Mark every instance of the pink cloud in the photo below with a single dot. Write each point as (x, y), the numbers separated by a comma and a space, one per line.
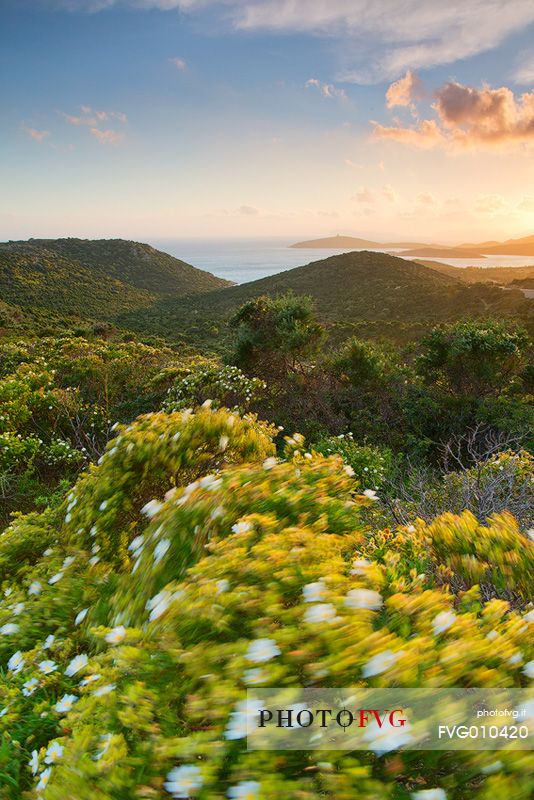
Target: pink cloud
(425, 134)
(34, 134)
(327, 90)
(466, 118)
(107, 137)
(404, 91)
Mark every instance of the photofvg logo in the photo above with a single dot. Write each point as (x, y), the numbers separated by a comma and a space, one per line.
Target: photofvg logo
(383, 720)
(301, 716)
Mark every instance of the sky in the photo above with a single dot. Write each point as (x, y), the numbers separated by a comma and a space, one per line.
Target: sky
(244, 118)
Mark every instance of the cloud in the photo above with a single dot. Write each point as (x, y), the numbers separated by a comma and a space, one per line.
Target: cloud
(404, 91)
(424, 135)
(248, 211)
(389, 193)
(107, 136)
(524, 74)
(469, 118)
(34, 134)
(92, 118)
(526, 204)
(364, 195)
(327, 90)
(380, 39)
(179, 63)
(353, 164)
(426, 199)
(490, 203)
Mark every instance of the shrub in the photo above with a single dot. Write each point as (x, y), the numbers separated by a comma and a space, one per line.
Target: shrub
(154, 650)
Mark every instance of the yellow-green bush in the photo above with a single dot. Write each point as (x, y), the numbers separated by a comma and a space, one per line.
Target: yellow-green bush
(191, 564)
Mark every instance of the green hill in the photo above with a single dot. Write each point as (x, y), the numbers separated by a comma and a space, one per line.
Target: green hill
(94, 279)
(376, 291)
(502, 276)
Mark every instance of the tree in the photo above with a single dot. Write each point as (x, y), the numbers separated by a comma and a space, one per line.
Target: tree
(474, 358)
(275, 336)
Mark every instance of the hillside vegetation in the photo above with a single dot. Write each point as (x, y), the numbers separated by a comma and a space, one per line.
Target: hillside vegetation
(366, 289)
(93, 279)
(174, 545)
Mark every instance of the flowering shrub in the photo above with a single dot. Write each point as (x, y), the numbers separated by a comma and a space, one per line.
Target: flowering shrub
(224, 386)
(191, 564)
(370, 464)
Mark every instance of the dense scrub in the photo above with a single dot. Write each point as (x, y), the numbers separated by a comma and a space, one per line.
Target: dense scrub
(190, 564)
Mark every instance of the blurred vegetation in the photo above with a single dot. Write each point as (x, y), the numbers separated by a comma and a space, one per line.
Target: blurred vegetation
(356, 504)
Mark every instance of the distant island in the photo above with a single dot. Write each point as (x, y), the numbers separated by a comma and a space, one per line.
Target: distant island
(333, 242)
(511, 247)
(441, 252)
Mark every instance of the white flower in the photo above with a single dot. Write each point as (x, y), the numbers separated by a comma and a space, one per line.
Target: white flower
(380, 663)
(320, 612)
(136, 543)
(363, 598)
(210, 482)
(530, 534)
(160, 549)
(517, 658)
(244, 790)
(9, 628)
(261, 650)
(49, 641)
(370, 494)
(270, 462)
(48, 551)
(430, 794)
(65, 704)
(495, 766)
(528, 669)
(241, 527)
(222, 586)
(43, 779)
(80, 616)
(4, 711)
(94, 560)
(529, 617)
(103, 505)
(243, 719)
(223, 443)
(348, 469)
(183, 781)
(102, 690)
(55, 578)
(29, 687)
(8, 591)
(159, 604)
(492, 635)
(77, 663)
(68, 561)
(443, 621)
(16, 662)
(383, 740)
(106, 738)
(152, 508)
(116, 635)
(89, 679)
(54, 751)
(34, 762)
(35, 587)
(47, 666)
(314, 592)
(359, 566)
(17, 609)
(253, 677)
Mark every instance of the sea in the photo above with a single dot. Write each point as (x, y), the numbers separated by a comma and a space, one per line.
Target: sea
(244, 260)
